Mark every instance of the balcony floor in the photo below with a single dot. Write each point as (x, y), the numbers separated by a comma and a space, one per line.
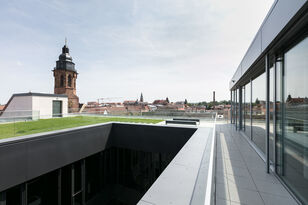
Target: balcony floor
(240, 173)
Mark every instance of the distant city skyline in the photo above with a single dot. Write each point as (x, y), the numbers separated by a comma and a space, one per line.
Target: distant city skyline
(166, 48)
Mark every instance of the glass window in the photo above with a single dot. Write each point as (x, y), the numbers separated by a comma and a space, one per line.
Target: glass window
(77, 183)
(62, 81)
(243, 106)
(237, 92)
(93, 176)
(294, 145)
(271, 112)
(231, 110)
(233, 107)
(66, 184)
(39, 193)
(69, 81)
(247, 110)
(278, 125)
(259, 111)
(13, 196)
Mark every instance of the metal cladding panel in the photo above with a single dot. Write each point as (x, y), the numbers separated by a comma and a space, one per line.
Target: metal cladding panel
(150, 138)
(65, 148)
(280, 15)
(252, 54)
(236, 76)
(13, 164)
(27, 159)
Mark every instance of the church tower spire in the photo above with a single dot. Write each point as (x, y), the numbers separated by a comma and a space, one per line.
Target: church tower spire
(141, 98)
(65, 76)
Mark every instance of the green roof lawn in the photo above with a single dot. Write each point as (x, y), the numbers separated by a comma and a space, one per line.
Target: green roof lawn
(30, 127)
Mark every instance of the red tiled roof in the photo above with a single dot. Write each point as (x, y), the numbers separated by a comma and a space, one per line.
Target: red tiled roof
(160, 102)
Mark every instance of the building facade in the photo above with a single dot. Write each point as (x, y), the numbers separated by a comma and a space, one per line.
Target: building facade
(269, 94)
(35, 106)
(65, 76)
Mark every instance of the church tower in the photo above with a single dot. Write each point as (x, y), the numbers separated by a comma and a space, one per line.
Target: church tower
(141, 98)
(65, 78)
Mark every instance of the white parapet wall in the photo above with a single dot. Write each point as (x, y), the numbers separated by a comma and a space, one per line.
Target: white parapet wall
(44, 105)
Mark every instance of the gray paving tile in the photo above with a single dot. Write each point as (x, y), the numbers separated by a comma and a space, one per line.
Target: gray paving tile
(271, 188)
(220, 174)
(243, 172)
(270, 199)
(235, 163)
(268, 178)
(222, 191)
(236, 203)
(221, 179)
(220, 166)
(222, 202)
(241, 182)
(244, 196)
(263, 176)
(237, 171)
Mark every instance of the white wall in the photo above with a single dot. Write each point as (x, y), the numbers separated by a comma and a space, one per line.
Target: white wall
(44, 105)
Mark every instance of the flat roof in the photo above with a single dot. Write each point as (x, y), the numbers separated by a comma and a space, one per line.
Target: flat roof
(39, 94)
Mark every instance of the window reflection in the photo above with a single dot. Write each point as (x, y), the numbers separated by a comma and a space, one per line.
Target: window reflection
(294, 146)
(247, 110)
(259, 111)
(271, 114)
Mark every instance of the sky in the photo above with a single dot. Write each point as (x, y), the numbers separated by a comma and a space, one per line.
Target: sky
(180, 49)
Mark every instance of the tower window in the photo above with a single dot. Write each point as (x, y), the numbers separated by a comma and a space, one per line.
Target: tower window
(69, 81)
(62, 81)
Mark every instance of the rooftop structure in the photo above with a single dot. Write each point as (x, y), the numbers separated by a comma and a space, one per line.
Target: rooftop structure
(268, 92)
(35, 105)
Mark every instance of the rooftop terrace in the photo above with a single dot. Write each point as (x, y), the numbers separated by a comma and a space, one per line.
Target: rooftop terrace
(210, 163)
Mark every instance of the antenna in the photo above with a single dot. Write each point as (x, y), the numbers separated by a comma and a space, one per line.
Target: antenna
(65, 41)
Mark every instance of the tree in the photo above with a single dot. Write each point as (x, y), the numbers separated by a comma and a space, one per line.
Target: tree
(167, 99)
(185, 102)
(289, 98)
(257, 101)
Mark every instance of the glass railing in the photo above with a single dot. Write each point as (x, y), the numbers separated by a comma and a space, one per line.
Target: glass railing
(25, 122)
(19, 123)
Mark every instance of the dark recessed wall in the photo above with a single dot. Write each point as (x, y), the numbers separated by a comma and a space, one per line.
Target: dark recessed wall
(24, 160)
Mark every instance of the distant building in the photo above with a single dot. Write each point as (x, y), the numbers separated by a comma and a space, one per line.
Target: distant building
(35, 105)
(160, 102)
(2, 107)
(296, 101)
(130, 102)
(152, 107)
(180, 103)
(92, 104)
(65, 78)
